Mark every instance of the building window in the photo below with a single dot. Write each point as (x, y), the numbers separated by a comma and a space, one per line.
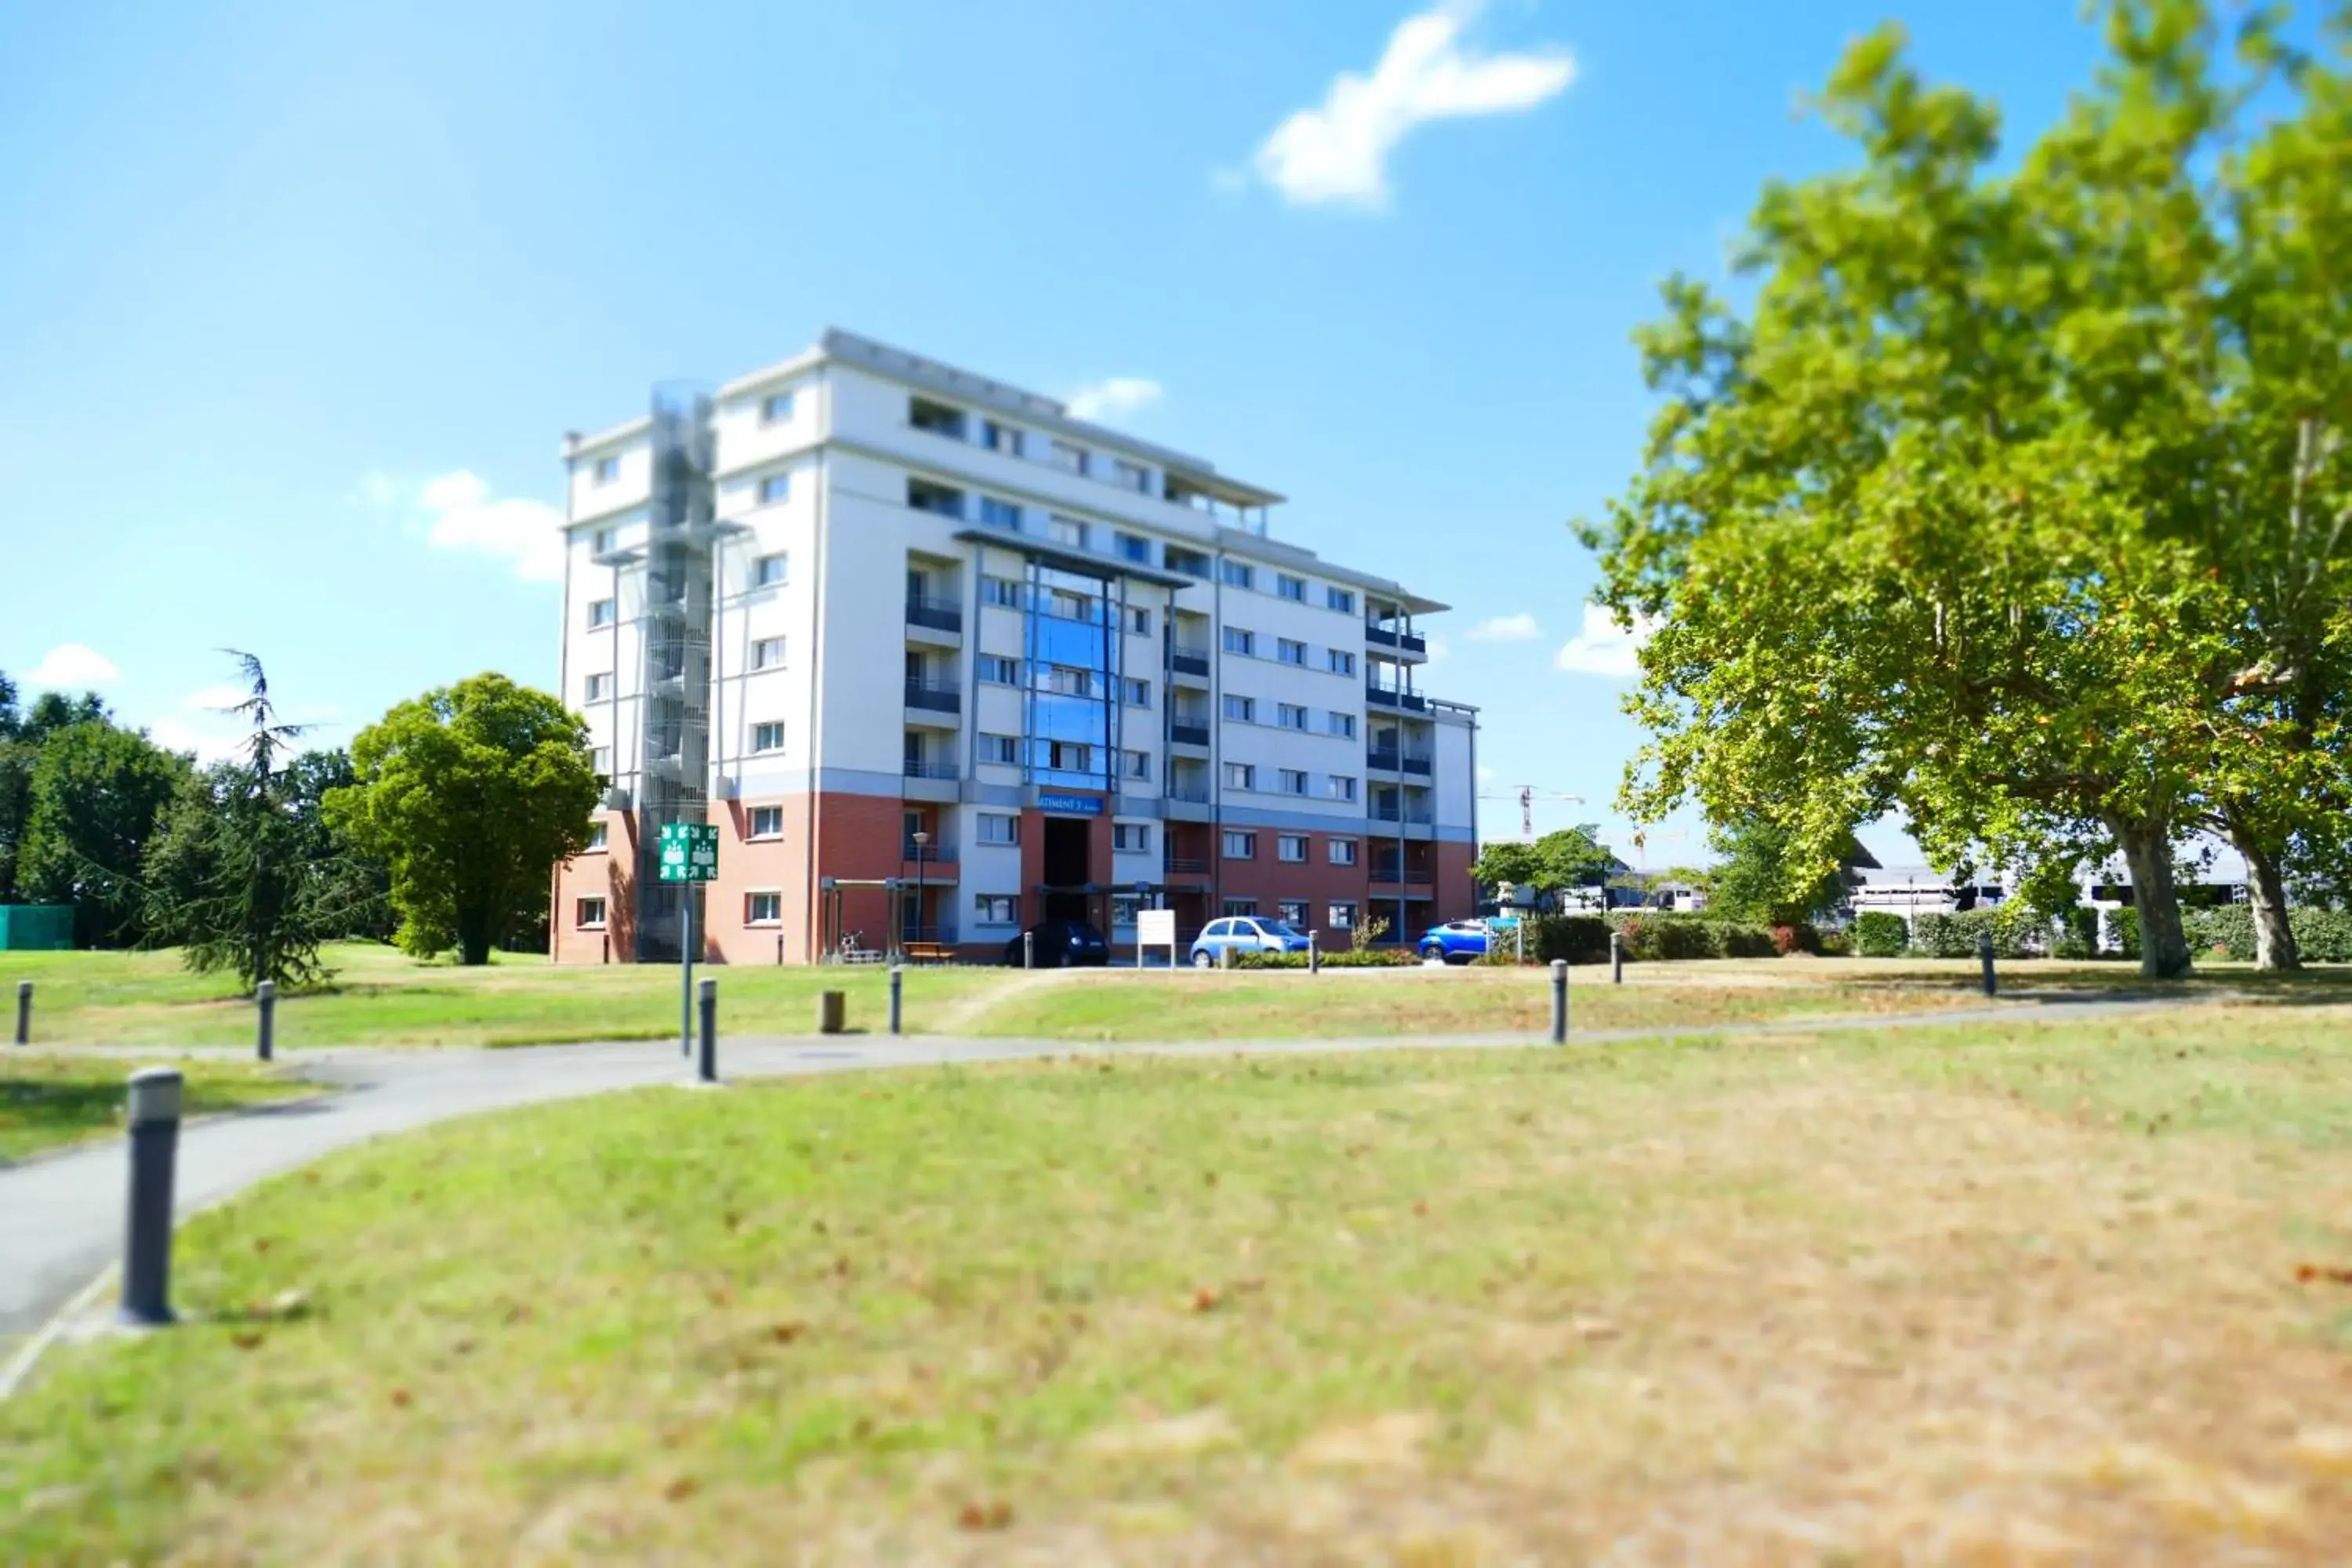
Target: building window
(600, 687)
(767, 822)
(1138, 764)
(993, 909)
(1132, 477)
(1131, 836)
(1291, 716)
(768, 737)
(1237, 574)
(775, 406)
(940, 418)
(588, 914)
(1343, 917)
(1240, 845)
(1291, 652)
(1241, 710)
(1292, 912)
(1244, 907)
(1241, 775)
(1294, 781)
(999, 670)
(1066, 604)
(1343, 601)
(600, 612)
(775, 488)
(944, 501)
(1138, 693)
(764, 908)
(1004, 749)
(999, 829)
(1342, 662)
(1291, 588)
(768, 571)
(601, 541)
(607, 470)
(1241, 642)
(1004, 438)
(1291, 847)
(599, 758)
(1069, 458)
(767, 652)
(596, 836)
(1067, 681)
(1139, 620)
(1001, 515)
(1342, 787)
(1343, 725)
(1123, 908)
(1068, 530)
(1343, 851)
(1191, 563)
(1003, 592)
(1136, 548)
(1069, 757)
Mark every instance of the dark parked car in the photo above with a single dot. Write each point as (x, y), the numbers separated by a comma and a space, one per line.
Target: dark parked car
(1061, 944)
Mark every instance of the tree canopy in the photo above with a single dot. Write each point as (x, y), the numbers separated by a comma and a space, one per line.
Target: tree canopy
(1570, 857)
(470, 795)
(95, 793)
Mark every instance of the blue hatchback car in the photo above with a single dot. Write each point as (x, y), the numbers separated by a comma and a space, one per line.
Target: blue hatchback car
(1245, 933)
(1456, 941)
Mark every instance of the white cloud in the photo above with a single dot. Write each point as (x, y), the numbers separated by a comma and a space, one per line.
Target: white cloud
(72, 666)
(457, 512)
(1435, 650)
(210, 699)
(1603, 648)
(1338, 152)
(1507, 629)
(215, 743)
(1113, 398)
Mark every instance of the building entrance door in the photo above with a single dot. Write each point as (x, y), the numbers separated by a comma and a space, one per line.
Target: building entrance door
(1068, 865)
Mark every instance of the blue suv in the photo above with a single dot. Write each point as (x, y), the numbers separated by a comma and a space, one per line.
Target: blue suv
(1245, 933)
(1456, 941)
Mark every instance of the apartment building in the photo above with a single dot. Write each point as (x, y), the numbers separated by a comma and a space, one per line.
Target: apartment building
(941, 661)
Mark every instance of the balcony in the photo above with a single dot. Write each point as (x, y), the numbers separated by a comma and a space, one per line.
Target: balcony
(938, 615)
(930, 780)
(1384, 697)
(1386, 636)
(1388, 759)
(1408, 816)
(934, 697)
(1386, 874)
(1187, 865)
(1185, 733)
(918, 769)
(1189, 661)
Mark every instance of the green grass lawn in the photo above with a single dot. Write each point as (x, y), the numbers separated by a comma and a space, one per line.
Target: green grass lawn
(47, 1101)
(2032, 1291)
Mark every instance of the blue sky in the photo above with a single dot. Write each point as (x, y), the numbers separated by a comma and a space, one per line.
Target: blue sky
(296, 301)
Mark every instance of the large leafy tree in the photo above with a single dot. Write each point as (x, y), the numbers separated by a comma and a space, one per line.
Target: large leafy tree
(1570, 857)
(470, 795)
(96, 793)
(1752, 879)
(1939, 521)
(21, 735)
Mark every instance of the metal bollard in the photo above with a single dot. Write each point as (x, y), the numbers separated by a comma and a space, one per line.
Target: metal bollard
(1225, 955)
(1314, 954)
(1616, 958)
(1560, 1001)
(707, 993)
(265, 997)
(1028, 950)
(24, 1012)
(154, 1119)
(897, 979)
(832, 1012)
(1984, 953)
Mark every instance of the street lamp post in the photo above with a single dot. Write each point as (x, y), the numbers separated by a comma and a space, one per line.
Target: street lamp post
(922, 840)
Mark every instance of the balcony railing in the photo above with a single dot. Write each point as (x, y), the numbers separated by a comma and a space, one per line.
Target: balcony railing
(1191, 793)
(1189, 660)
(1384, 697)
(1187, 865)
(1411, 816)
(1387, 760)
(939, 615)
(1188, 734)
(1388, 636)
(935, 696)
(1385, 871)
(933, 854)
(922, 770)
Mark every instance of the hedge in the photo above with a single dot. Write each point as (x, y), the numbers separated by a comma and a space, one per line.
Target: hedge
(1878, 934)
(2016, 932)
(1652, 935)
(1346, 958)
(2321, 936)
(2078, 933)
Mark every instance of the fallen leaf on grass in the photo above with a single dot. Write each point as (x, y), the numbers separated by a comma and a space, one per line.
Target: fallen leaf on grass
(1388, 1442)
(245, 1341)
(989, 1516)
(2307, 1272)
(785, 1333)
(1596, 1329)
(517, 1314)
(681, 1489)
(400, 1398)
(1204, 1300)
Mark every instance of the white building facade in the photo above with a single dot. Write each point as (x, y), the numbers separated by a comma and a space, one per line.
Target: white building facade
(941, 661)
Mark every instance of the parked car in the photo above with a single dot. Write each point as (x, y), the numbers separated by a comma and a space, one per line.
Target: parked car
(1456, 941)
(1245, 933)
(1059, 944)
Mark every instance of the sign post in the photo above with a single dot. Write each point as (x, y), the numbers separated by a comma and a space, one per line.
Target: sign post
(1153, 927)
(689, 854)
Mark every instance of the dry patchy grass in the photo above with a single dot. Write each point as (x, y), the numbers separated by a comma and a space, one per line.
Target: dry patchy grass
(47, 1101)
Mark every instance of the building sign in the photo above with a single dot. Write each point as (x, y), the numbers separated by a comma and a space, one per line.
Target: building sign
(1154, 927)
(689, 852)
(1069, 804)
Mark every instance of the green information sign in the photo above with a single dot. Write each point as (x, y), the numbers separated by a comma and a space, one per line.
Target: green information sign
(689, 852)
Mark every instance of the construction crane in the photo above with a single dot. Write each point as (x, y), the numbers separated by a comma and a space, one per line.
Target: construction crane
(1527, 796)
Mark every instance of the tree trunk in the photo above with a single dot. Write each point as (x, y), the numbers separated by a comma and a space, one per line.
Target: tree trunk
(2274, 946)
(2163, 946)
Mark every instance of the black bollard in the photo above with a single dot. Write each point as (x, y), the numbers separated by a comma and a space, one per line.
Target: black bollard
(1028, 950)
(708, 995)
(895, 978)
(1560, 1001)
(265, 997)
(1314, 954)
(1984, 953)
(24, 1012)
(154, 1119)
(1616, 958)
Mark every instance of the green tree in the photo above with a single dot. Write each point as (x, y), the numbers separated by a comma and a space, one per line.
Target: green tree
(357, 885)
(471, 794)
(1570, 857)
(96, 793)
(21, 735)
(1752, 881)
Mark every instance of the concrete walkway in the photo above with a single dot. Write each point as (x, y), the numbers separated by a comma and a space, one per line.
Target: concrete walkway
(61, 1217)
